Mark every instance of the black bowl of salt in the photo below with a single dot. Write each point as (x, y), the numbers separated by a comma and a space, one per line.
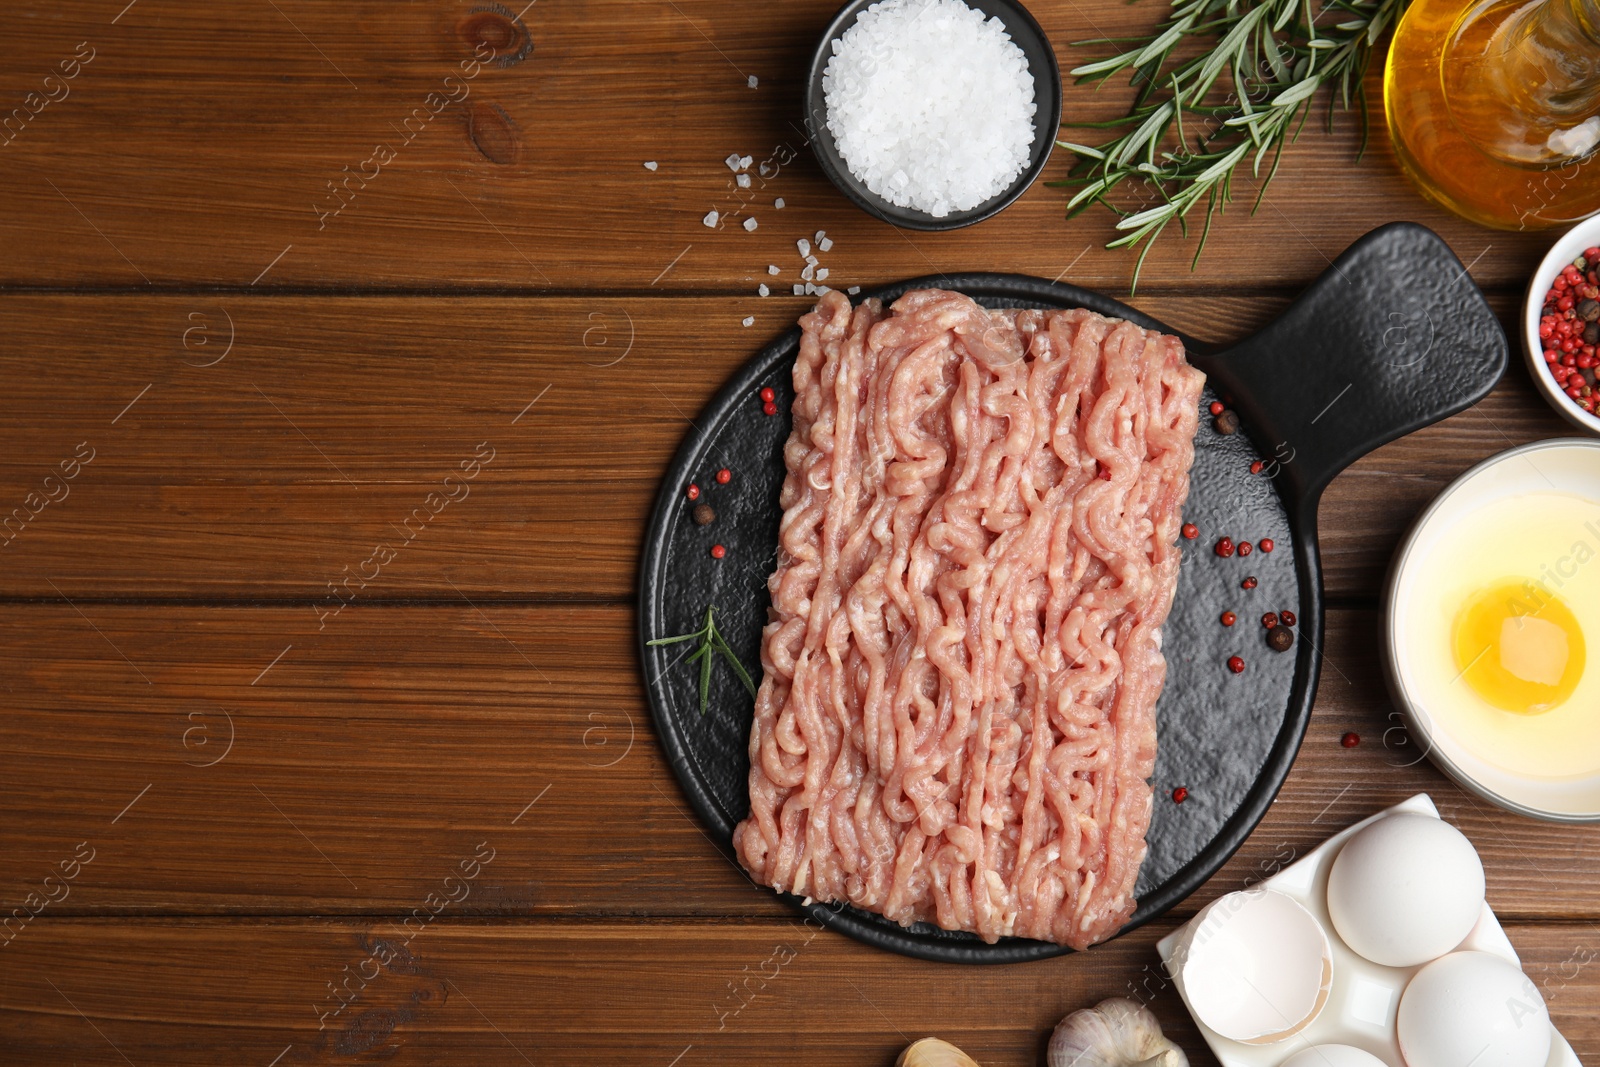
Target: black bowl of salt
(933, 114)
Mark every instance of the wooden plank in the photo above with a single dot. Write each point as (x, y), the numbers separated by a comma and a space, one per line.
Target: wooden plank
(366, 756)
(271, 468)
(319, 143)
(187, 991)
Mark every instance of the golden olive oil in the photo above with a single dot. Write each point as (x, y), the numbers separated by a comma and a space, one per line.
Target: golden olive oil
(1494, 107)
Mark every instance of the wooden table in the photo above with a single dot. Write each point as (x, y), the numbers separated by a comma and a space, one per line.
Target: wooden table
(318, 748)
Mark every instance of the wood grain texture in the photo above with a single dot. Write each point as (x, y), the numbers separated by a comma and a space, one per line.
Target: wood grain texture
(199, 144)
(271, 468)
(378, 750)
(267, 306)
(172, 991)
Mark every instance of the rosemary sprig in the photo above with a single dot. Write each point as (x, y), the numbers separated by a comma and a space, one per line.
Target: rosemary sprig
(1268, 60)
(711, 640)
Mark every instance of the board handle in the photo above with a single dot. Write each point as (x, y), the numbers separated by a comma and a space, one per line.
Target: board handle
(1392, 337)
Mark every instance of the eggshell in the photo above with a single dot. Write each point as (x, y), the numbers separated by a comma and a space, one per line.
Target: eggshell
(1333, 1056)
(1405, 890)
(1255, 966)
(1473, 1008)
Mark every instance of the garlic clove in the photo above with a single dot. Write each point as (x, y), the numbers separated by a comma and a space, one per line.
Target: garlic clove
(931, 1052)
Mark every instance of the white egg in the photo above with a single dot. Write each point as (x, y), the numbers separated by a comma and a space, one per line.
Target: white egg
(1405, 890)
(1333, 1056)
(1473, 1008)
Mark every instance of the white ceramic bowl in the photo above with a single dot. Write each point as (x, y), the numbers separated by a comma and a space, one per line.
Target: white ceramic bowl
(1568, 465)
(1570, 246)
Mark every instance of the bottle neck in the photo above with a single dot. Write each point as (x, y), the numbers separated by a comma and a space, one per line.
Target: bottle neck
(1553, 51)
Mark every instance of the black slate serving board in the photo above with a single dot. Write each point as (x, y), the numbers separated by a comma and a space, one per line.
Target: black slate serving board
(1392, 337)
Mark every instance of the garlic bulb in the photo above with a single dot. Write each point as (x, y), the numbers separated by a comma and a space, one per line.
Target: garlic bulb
(1114, 1033)
(931, 1052)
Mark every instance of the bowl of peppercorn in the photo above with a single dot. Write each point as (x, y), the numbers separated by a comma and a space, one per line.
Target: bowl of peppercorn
(1561, 326)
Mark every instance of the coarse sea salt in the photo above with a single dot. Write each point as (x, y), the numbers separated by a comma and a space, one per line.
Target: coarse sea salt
(750, 224)
(711, 218)
(752, 81)
(732, 161)
(772, 268)
(778, 203)
(742, 181)
(804, 246)
(749, 320)
(763, 290)
(930, 104)
(825, 245)
(651, 165)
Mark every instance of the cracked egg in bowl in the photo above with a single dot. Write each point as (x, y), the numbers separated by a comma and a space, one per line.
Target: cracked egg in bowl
(1492, 642)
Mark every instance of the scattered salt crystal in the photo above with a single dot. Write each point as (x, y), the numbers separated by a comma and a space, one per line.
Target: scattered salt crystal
(711, 218)
(810, 289)
(750, 224)
(822, 235)
(804, 246)
(822, 273)
(853, 290)
(811, 260)
(745, 161)
(749, 320)
(778, 203)
(800, 289)
(823, 289)
(773, 269)
(752, 81)
(825, 245)
(732, 161)
(809, 272)
(763, 290)
(650, 165)
(743, 181)
(931, 104)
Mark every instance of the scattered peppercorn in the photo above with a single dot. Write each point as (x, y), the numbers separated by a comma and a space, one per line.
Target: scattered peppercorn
(1286, 617)
(703, 515)
(693, 492)
(1225, 547)
(1245, 548)
(1248, 583)
(1216, 407)
(1226, 423)
(1236, 664)
(1229, 618)
(1179, 795)
(1270, 619)
(1257, 467)
(1588, 310)
(717, 552)
(768, 396)
(769, 409)
(1280, 638)
(1350, 740)
(1190, 531)
(1265, 544)
(723, 476)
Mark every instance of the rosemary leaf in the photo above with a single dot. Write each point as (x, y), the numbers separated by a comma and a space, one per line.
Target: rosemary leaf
(1278, 57)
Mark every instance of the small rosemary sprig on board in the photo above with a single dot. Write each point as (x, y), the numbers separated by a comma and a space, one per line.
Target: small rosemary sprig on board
(711, 640)
(1271, 56)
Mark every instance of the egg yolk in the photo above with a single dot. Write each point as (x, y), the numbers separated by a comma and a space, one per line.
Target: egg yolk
(1519, 647)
